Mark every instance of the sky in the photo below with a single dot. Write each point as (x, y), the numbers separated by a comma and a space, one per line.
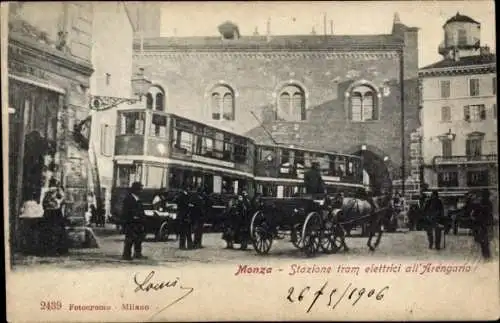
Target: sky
(349, 18)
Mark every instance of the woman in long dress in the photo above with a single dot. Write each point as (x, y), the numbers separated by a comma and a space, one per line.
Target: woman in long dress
(55, 224)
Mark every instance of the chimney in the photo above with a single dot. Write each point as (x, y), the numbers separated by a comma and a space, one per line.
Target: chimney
(256, 32)
(313, 31)
(268, 31)
(331, 27)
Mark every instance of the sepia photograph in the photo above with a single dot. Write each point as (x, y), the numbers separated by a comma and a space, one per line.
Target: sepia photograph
(259, 160)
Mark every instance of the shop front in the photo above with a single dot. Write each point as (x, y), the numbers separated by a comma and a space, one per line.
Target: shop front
(47, 97)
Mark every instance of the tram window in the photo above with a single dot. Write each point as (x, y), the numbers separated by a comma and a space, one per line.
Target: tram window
(131, 123)
(156, 177)
(265, 154)
(127, 174)
(240, 150)
(285, 156)
(217, 184)
(280, 191)
(159, 126)
(228, 148)
(184, 140)
(219, 145)
(299, 158)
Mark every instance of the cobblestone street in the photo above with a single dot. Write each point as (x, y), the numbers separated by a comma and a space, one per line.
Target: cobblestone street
(411, 246)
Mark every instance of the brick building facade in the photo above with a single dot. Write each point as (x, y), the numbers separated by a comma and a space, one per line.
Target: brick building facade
(337, 93)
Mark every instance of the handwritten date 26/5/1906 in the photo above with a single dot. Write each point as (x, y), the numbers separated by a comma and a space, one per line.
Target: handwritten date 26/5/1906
(310, 297)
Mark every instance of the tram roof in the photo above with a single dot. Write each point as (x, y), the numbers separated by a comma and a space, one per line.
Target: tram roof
(210, 125)
(295, 147)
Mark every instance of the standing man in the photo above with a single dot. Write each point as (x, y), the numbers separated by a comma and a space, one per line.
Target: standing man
(199, 201)
(434, 212)
(482, 217)
(184, 220)
(133, 216)
(313, 181)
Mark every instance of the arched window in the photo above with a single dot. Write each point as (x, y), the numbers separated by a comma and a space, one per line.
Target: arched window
(363, 105)
(159, 106)
(155, 99)
(291, 104)
(222, 103)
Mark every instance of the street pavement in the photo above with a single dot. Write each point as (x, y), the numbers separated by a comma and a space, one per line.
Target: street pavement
(405, 245)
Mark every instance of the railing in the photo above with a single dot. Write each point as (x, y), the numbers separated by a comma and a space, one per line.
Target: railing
(451, 160)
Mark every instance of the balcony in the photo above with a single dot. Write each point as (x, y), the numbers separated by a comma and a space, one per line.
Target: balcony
(464, 160)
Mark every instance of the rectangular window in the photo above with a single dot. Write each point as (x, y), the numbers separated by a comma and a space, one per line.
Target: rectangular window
(475, 112)
(265, 154)
(156, 177)
(445, 89)
(158, 126)
(445, 114)
(474, 87)
(494, 83)
(473, 147)
(494, 111)
(447, 152)
(127, 174)
(285, 156)
(240, 150)
(131, 123)
(448, 179)
(478, 178)
(462, 37)
(228, 148)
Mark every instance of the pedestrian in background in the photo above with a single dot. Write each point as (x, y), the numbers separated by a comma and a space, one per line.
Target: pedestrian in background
(482, 217)
(55, 224)
(134, 217)
(434, 212)
(184, 220)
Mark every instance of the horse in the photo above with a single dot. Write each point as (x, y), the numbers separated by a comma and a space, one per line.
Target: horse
(358, 211)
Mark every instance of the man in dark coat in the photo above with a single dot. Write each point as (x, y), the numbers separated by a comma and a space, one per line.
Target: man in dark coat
(134, 217)
(434, 214)
(199, 200)
(184, 219)
(313, 181)
(482, 219)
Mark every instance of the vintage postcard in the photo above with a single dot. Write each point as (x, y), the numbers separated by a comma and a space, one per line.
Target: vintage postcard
(263, 161)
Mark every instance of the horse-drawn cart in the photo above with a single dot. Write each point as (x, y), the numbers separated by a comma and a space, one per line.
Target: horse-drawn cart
(308, 221)
(313, 225)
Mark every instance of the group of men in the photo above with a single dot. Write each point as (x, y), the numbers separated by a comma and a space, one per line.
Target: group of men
(478, 209)
(190, 219)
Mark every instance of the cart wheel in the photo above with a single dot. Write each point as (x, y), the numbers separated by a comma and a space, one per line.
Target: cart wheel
(296, 236)
(338, 238)
(262, 237)
(312, 232)
(327, 240)
(162, 234)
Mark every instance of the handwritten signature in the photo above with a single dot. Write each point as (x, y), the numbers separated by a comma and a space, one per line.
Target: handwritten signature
(148, 284)
(307, 296)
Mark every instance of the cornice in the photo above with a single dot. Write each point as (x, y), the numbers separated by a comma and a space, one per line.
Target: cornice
(460, 70)
(22, 45)
(274, 54)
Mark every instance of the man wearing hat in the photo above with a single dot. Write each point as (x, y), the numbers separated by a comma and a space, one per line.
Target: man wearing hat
(313, 180)
(133, 216)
